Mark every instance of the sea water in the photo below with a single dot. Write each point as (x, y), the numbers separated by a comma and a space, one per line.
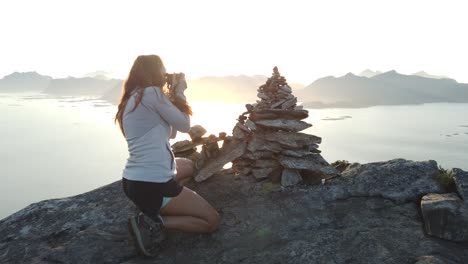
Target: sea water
(58, 147)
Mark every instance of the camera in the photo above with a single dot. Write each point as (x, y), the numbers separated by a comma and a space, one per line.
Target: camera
(171, 77)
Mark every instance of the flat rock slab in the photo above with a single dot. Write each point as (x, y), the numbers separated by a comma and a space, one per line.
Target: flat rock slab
(284, 124)
(445, 216)
(460, 178)
(295, 153)
(311, 162)
(258, 143)
(228, 153)
(286, 88)
(290, 103)
(293, 140)
(184, 145)
(285, 104)
(279, 113)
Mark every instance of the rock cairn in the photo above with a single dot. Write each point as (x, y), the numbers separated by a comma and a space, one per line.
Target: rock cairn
(276, 149)
(266, 142)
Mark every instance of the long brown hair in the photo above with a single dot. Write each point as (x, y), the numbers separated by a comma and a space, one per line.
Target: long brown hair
(146, 71)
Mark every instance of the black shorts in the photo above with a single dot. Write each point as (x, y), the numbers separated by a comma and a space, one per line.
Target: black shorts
(148, 196)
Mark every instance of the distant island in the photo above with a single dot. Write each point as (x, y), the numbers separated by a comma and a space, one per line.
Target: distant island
(369, 88)
(388, 88)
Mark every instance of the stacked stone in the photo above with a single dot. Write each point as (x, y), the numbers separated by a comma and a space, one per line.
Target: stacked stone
(275, 147)
(211, 159)
(188, 148)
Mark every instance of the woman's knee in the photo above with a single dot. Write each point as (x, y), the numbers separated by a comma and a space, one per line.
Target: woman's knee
(185, 167)
(214, 221)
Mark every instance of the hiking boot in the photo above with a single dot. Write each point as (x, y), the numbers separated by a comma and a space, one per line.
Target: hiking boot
(156, 224)
(146, 233)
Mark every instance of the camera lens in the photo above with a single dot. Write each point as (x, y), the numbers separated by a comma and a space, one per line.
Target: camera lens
(169, 78)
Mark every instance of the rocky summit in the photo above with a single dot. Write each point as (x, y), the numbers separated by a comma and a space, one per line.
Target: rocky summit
(281, 202)
(369, 214)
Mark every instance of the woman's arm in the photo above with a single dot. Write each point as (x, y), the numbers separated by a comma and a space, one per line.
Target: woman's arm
(173, 133)
(160, 103)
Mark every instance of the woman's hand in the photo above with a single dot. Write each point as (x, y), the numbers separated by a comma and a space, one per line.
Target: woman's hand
(178, 96)
(180, 86)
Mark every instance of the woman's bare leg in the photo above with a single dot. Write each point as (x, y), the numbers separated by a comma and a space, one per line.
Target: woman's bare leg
(185, 170)
(189, 212)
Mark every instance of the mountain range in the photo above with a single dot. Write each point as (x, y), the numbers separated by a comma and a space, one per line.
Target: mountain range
(71, 86)
(388, 88)
(366, 89)
(25, 81)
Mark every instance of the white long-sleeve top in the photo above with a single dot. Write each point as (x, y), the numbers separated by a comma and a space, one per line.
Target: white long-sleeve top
(147, 131)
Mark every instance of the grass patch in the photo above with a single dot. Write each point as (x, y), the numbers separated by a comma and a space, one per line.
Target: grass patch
(340, 165)
(445, 178)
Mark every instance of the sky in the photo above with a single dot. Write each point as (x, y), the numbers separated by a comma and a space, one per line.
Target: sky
(305, 39)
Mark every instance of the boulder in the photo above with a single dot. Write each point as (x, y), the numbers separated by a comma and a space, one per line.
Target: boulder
(460, 178)
(399, 180)
(87, 228)
(445, 216)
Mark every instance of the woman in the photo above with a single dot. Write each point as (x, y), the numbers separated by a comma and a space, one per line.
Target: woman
(149, 115)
